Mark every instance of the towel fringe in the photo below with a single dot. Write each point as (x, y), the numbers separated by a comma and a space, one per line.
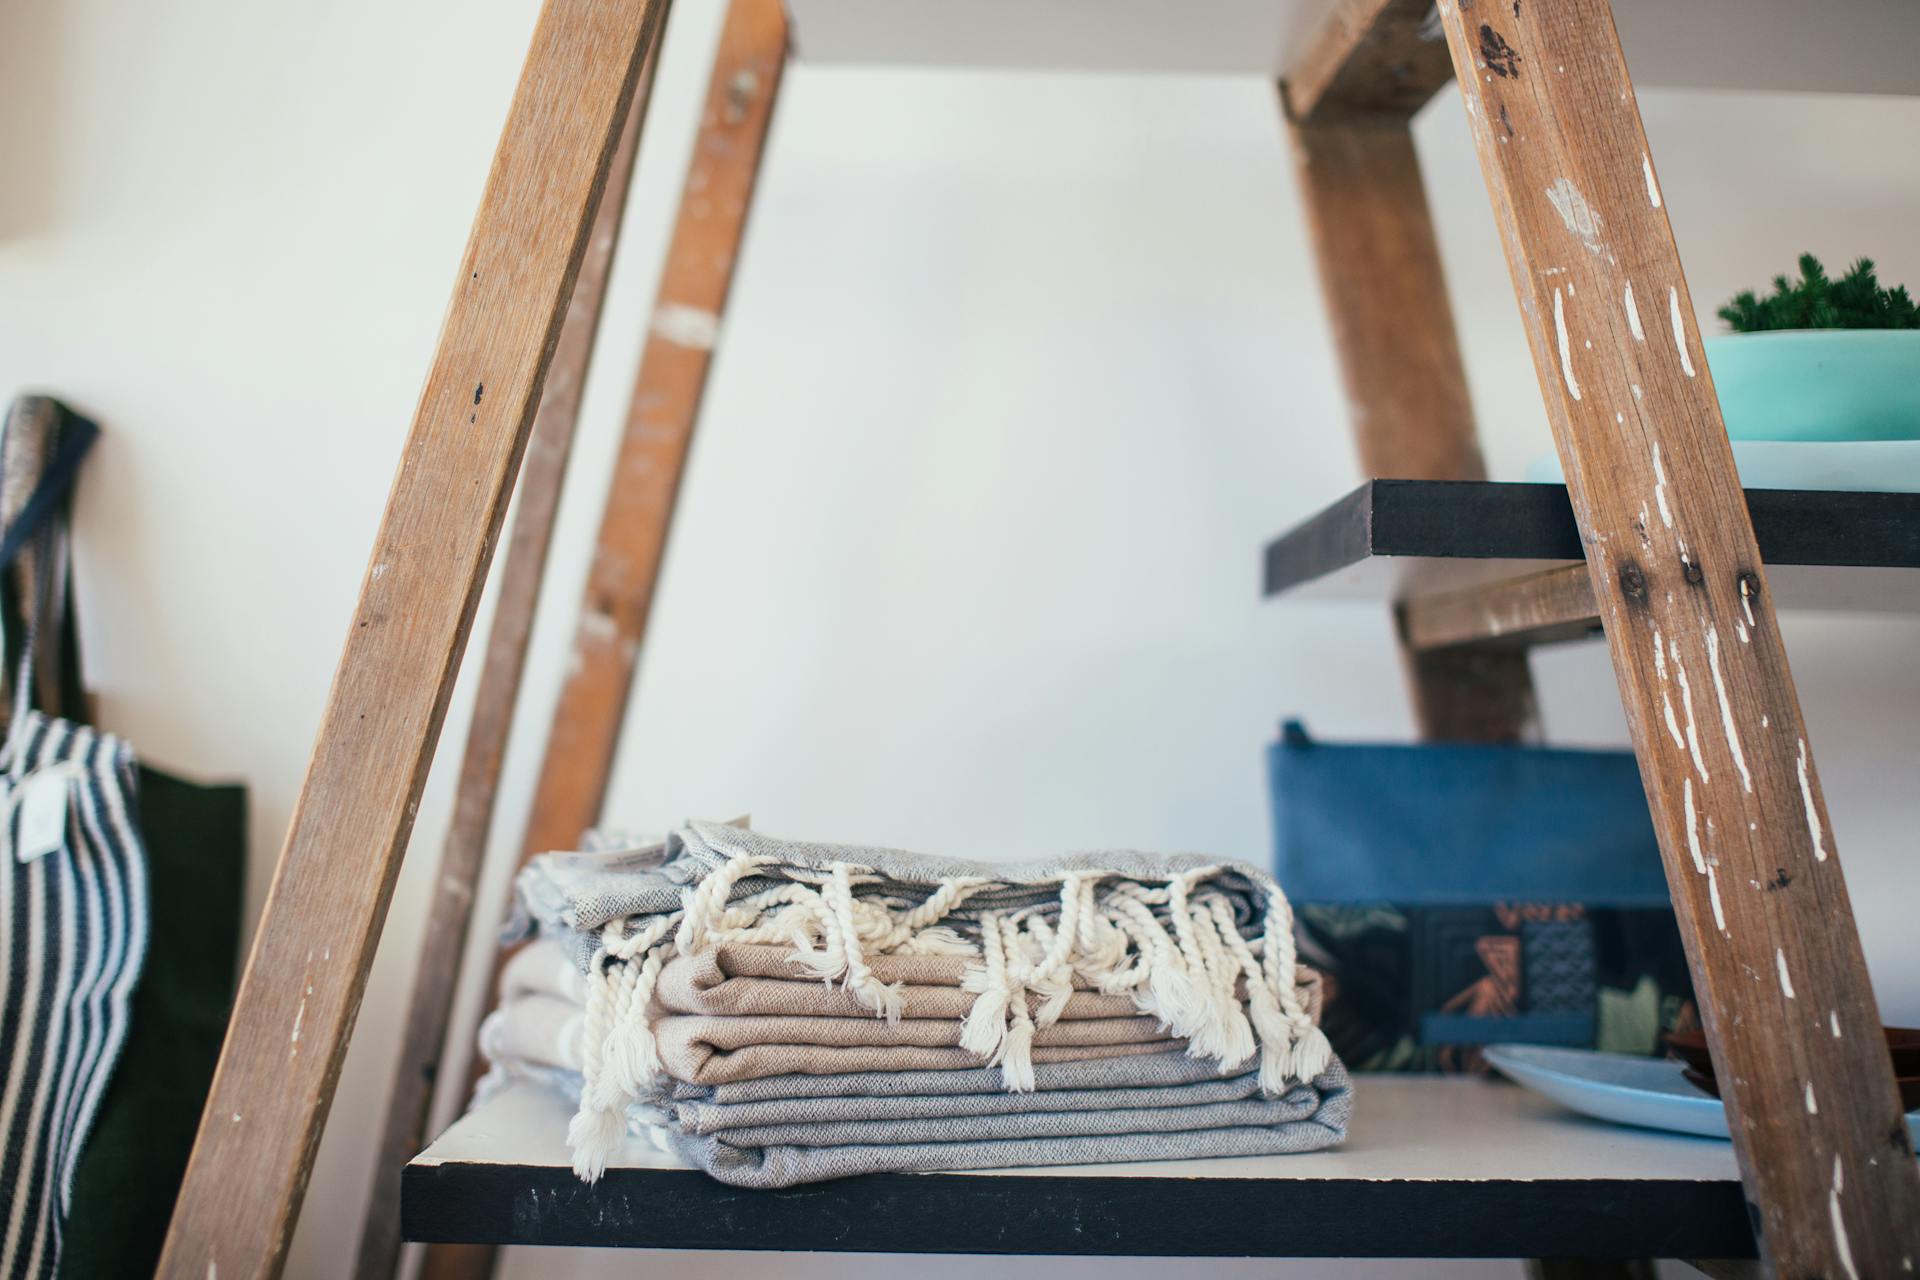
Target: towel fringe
(1176, 948)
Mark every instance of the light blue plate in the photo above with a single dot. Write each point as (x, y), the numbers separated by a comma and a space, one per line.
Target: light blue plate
(1623, 1088)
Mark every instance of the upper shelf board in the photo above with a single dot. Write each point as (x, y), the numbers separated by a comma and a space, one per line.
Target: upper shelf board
(1432, 1167)
(1848, 46)
(1397, 539)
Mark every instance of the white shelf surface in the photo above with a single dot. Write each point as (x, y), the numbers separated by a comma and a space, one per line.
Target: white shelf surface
(1406, 1128)
(1431, 1168)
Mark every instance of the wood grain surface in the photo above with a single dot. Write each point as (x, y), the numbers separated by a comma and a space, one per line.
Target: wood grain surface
(315, 941)
(503, 659)
(661, 416)
(1750, 852)
(1536, 608)
(665, 406)
(1370, 58)
(1386, 298)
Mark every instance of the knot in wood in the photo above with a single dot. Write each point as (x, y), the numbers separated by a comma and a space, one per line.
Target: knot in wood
(1633, 582)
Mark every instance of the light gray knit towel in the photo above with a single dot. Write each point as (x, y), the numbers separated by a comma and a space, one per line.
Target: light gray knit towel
(1205, 947)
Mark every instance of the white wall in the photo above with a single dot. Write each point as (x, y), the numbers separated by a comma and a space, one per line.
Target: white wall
(1021, 372)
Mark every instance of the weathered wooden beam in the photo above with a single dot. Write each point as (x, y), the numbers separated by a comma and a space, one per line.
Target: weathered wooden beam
(660, 422)
(503, 659)
(1386, 299)
(1729, 772)
(661, 416)
(1379, 58)
(1538, 608)
(308, 968)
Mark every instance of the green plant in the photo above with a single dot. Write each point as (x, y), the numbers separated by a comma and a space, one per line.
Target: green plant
(1854, 301)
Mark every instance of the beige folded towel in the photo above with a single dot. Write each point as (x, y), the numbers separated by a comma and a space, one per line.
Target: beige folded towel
(735, 980)
(691, 1060)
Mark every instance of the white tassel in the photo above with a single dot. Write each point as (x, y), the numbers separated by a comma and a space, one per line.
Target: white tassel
(706, 902)
(593, 1134)
(632, 1064)
(1312, 1054)
(984, 1029)
(885, 1000)
(936, 940)
(1016, 1057)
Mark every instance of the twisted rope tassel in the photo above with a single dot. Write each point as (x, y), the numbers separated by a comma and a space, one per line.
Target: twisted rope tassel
(940, 904)
(1015, 1055)
(1275, 1035)
(1311, 1052)
(707, 901)
(884, 1000)
(632, 1059)
(1208, 1033)
(594, 1130)
(1236, 1043)
(1056, 987)
(984, 1029)
(1169, 991)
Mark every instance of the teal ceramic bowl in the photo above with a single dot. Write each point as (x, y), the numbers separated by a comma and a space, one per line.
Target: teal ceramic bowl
(1819, 384)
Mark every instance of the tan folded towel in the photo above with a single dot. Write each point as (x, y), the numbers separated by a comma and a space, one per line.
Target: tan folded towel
(730, 1014)
(736, 980)
(696, 1061)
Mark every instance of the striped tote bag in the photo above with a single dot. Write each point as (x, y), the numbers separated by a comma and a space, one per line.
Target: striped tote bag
(73, 935)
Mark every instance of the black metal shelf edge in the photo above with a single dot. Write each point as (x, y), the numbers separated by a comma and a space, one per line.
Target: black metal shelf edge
(1485, 520)
(1080, 1215)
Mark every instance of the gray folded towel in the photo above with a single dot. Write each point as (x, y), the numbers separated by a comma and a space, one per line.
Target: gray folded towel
(1204, 951)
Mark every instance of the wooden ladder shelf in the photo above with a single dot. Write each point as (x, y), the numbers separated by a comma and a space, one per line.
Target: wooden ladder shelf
(1673, 576)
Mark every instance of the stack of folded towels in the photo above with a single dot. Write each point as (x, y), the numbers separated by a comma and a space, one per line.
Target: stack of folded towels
(780, 1012)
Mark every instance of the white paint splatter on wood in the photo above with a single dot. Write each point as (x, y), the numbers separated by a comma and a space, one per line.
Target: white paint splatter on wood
(1726, 708)
(1660, 487)
(1653, 188)
(1679, 330)
(597, 627)
(1746, 601)
(1686, 704)
(1813, 1106)
(1786, 979)
(687, 326)
(1693, 826)
(1576, 213)
(1566, 348)
(1741, 628)
(1833, 1020)
(1713, 897)
(1673, 723)
(1813, 811)
(1839, 1224)
(1633, 319)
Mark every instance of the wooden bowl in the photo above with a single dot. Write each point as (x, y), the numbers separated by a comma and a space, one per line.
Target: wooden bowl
(1691, 1048)
(1903, 1042)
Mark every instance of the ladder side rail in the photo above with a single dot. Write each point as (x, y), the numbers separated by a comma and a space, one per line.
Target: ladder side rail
(1696, 646)
(315, 941)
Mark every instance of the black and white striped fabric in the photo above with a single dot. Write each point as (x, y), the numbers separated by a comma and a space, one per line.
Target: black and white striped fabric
(73, 935)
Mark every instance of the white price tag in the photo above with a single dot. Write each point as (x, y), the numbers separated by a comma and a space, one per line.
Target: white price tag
(43, 813)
